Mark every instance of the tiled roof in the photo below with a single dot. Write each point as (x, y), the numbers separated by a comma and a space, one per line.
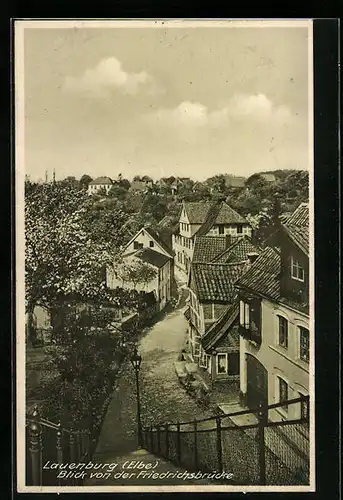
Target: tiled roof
(221, 328)
(297, 227)
(228, 215)
(101, 180)
(197, 211)
(238, 251)
(263, 277)
(300, 216)
(299, 235)
(215, 282)
(207, 248)
(159, 239)
(149, 256)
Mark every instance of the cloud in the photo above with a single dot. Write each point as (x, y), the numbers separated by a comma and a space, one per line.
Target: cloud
(109, 75)
(241, 107)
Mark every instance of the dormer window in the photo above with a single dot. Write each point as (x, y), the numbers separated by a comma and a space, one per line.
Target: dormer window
(297, 270)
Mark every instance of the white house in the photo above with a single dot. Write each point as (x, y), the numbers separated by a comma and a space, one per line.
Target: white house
(100, 183)
(205, 218)
(274, 321)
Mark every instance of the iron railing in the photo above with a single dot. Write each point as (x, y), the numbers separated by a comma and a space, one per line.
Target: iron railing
(49, 447)
(268, 445)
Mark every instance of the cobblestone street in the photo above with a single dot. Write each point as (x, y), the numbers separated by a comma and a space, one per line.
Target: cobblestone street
(162, 396)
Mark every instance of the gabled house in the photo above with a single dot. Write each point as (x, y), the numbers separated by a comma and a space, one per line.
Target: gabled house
(148, 247)
(233, 181)
(205, 218)
(100, 183)
(274, 320)
(213, 312)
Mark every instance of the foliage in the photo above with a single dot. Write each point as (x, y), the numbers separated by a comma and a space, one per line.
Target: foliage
(134, 271)
(85, 180)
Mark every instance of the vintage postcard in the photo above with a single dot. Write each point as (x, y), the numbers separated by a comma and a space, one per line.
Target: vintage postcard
(164, 272)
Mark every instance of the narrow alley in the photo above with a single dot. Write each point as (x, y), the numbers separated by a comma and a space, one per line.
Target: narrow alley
(162, 396)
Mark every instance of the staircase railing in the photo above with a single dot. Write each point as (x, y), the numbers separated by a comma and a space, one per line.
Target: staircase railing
(262, 446)
(49, 446)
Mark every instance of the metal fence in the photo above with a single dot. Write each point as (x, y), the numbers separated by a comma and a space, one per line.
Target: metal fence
(271, 449)
(48, 447)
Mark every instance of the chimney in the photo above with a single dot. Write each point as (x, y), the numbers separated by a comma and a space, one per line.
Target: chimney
(227, 241)
(252, 256)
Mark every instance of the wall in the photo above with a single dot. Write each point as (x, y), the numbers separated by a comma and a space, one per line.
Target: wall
(291, 287)
(277, 360)
(164, 285)
(231, 229)
(144, 238)
(94, 188)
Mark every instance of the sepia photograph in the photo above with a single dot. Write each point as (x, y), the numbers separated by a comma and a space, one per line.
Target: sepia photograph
(164, 264)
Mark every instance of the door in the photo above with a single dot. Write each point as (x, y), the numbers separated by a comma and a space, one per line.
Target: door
(257, 382)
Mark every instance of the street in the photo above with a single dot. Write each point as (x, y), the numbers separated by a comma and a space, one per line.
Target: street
(162, 396)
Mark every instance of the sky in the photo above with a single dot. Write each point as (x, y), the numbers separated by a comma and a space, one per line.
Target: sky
(190, 102)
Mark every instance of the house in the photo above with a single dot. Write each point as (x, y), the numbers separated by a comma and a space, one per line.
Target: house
(212, 301)
(179, 181)
(213, 312)
(233, 181)
(149, 248)
(100, 183)
(274, 320)
(205, 218)
(140, 186)
(268, 177)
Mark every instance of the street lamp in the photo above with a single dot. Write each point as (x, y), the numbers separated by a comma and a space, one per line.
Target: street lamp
(136, 360)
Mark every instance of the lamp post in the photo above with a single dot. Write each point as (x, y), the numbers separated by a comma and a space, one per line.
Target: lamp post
(136, 360)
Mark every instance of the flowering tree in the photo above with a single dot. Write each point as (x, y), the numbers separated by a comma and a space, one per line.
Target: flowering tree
(67, 248)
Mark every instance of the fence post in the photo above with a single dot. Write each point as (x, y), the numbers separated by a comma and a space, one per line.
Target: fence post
(261, 442)
(35, 447)
(72, 452)
(219, 445)
(59, 448)
(158, 435)
(167, 441)
(151, 439)
(195, 445)
(178, 443)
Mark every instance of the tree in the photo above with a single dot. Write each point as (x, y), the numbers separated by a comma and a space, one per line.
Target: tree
(85, 180)
(133, 272)
(65, 253)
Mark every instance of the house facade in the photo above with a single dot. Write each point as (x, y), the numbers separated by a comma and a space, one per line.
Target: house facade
(205, 218)
(149, 248)
(100, 183)
(274, 321)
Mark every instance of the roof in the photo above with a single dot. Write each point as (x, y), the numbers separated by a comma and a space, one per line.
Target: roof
(234, 181)
(102, 180)
(300, 216)
(207, 248)
(268, 177)
(221, 328)
(238, 251)
(149, 256)
(139, 185)
(263, 276)
(197, 211)
(159, 238)
(296, 227)
(214, 282)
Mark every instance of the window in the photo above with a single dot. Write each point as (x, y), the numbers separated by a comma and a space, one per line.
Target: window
(233, 363)
(151, 244)
(303, 407)
(239, 228)
(244, 314)
(283, 393)
(221, 363)
(304, 336)
(297, 270)
(283, 332)
(135, 245)
(221, 229)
